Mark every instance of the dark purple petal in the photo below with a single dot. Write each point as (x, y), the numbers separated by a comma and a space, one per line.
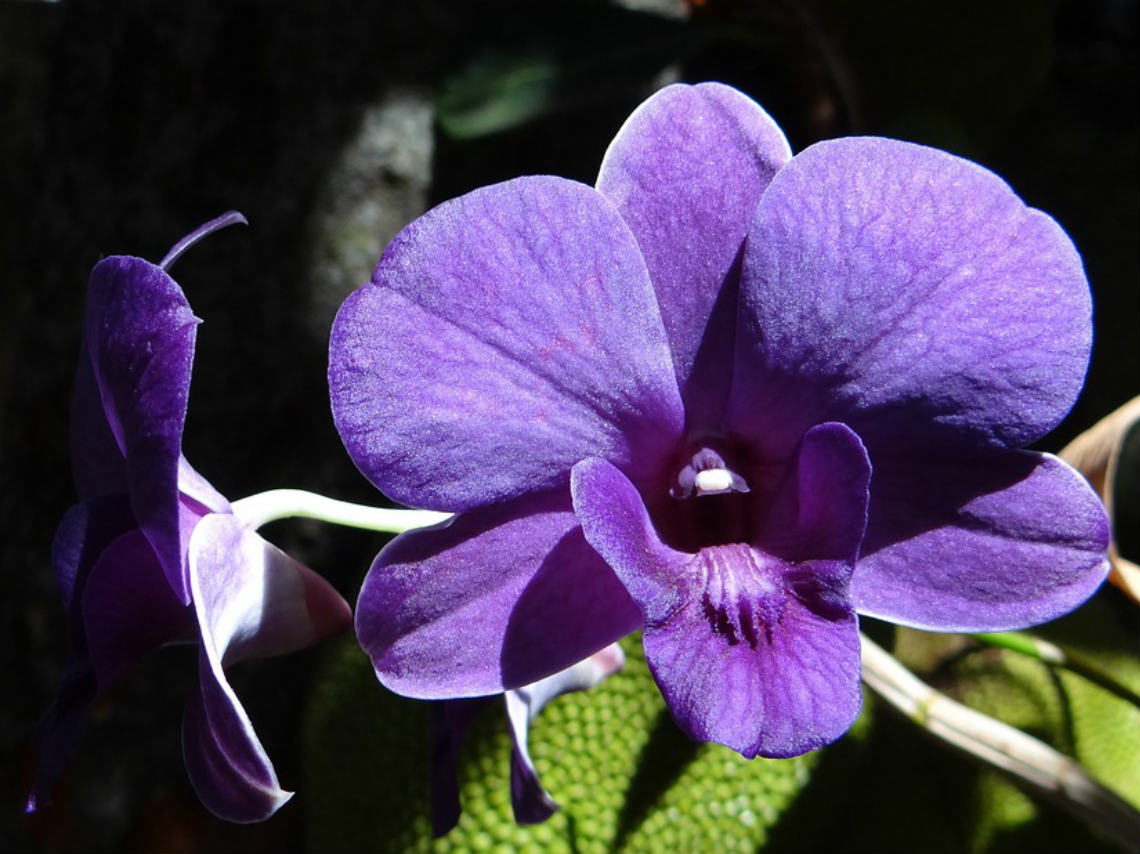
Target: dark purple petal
(973, 540)
(749, 651)
(251, 600)
(495, 599)
(84, 532)
(506, 335)
(140, 338)
(888, 283)
(820, 509)
(449, 724)
(58, 732)
(685, 172)
(128, 609)
(97, 463)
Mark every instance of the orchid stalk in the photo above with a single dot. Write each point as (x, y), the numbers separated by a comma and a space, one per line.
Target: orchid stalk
(276, 504)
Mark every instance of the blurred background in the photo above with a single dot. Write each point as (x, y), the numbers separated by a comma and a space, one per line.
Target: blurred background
(330, 125)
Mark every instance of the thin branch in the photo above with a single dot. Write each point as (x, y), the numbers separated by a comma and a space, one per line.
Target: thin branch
(1059, 778)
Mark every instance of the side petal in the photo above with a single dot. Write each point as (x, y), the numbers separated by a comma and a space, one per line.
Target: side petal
(128, 609)
(492, 600)
(505, 335)
(84, 532)
(97, 463)
(889, 283)
(966, 541)
(251, 599)
(820, 509)
(685, 172)
(749, 651)
(140, 338)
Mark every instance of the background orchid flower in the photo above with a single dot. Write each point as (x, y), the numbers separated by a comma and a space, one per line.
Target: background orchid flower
(730, 396)
(153, 554)
(530, 802)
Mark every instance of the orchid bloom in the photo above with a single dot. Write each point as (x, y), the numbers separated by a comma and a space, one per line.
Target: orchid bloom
(728, 396)
(153, 554)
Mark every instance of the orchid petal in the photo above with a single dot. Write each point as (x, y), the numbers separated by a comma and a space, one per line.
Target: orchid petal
(85, 530)
(748, 650)
(58, 732)
(495, 599)
(820, 509)
(251, 600)
(129, 609)
(686, 171)
(885, 283)
(976, 540)
(515, 325)
(98, 466)
(140, 338)
(531, 802)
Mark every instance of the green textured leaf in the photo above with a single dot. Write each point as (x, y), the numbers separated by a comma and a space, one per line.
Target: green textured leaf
(627, 779)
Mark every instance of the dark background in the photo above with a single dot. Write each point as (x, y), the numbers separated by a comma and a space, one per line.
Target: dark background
(123, 125)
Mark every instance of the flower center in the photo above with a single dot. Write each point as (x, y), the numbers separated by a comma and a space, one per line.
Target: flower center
(728, 504)
(706, 474)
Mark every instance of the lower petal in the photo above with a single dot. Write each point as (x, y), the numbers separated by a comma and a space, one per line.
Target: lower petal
(977, 540)
(226, 762)
(794, 689)
(749, 650)
(494, 599)
(251, 600)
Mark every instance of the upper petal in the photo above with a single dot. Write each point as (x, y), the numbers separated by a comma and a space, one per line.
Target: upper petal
(888, 283)
(967, 540)
(495, 599)
(140, 340)
(506, 334)
(686, 171)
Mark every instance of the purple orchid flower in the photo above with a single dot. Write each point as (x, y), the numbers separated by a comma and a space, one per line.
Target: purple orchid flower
(729, 396)
(153, 554)
(530, 801)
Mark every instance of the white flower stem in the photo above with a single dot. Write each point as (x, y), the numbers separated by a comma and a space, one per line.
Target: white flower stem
(1057, 777)
(265, 507)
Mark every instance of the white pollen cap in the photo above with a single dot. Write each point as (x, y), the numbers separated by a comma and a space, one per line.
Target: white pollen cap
(712, 481)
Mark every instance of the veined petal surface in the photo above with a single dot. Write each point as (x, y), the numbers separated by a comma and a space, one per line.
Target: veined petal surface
(495, 599)
(505, 335)
(889, 283)
(686, 171)
(963, 540)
